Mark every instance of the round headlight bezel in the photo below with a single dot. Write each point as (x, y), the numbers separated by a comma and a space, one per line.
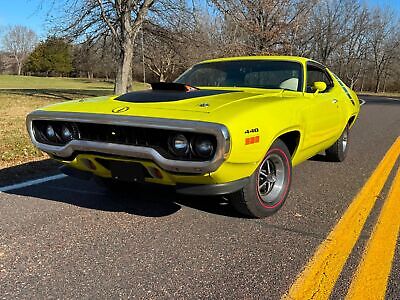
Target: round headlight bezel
(196, 144)
(51, 133)
(65, 129)
(55, 132)
(175, 145)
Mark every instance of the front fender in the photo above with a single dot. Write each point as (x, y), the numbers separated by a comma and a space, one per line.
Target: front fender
(254, 131)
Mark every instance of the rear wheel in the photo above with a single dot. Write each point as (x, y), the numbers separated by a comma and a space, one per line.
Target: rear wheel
(338, 151)
(269, 185)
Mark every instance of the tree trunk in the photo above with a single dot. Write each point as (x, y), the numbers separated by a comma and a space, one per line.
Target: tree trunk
(362, 82)
(384, 84)
(19, 68)
(90, 74)
(162, 77)
(378, 81)
(124, 68)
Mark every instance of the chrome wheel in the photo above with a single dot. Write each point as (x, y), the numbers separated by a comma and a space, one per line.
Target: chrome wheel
(271, 178)
(345, 138)
(268, 186)
(338, 151)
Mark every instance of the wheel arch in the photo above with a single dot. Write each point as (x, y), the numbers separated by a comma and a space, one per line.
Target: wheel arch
(351, 121)
(292, 141)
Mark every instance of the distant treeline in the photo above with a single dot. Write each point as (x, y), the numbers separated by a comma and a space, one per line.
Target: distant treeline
(361, 44)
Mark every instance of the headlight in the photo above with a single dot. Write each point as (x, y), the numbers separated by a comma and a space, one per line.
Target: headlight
(50, 133)
(66, 133)
(55, 132)
(203, 147)
(179, 145)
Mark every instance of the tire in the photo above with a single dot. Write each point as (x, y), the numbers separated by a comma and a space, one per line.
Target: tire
(338, 151)
(269, 184)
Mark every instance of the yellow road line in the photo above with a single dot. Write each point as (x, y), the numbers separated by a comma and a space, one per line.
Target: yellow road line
(372, 274)
(319, 276)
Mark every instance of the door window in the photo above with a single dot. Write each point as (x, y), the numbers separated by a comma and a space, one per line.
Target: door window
(315, 74)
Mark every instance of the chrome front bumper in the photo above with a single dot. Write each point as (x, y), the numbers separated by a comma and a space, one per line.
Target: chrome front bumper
(195, 167)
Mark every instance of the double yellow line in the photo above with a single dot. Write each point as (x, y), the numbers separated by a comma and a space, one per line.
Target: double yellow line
(319, 276)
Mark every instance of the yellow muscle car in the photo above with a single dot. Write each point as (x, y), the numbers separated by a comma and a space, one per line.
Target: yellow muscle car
(231, 126)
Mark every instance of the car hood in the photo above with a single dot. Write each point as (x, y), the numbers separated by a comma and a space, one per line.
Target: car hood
(203, 101)
(216, 104)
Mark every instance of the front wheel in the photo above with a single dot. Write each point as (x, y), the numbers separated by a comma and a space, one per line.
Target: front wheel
(269, 185)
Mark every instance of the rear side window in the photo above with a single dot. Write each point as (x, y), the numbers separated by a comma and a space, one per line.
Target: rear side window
(315, 74)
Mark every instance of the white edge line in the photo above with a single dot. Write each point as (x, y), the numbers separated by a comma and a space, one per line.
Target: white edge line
(75, 191)
(362, 101)
(30, 182)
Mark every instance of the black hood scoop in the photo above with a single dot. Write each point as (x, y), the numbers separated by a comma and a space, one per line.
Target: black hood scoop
(167, 92)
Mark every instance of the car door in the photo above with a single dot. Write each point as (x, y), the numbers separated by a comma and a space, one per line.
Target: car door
(322, 116)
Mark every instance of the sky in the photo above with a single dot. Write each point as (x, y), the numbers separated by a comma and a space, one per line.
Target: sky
(391, 4)
(33, 13)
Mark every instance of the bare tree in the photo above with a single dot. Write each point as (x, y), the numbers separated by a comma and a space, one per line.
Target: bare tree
(330, 27)
(384, 42)
(160, 57)
(95, 59)
(175, 37)
(262, 26)
(19, 41)
(352, 54)
(120, 19)
(359, 44)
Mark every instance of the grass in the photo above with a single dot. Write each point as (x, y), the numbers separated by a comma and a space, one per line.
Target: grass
(59, 83)
(33, 82)
(15, 145)
(19, 95)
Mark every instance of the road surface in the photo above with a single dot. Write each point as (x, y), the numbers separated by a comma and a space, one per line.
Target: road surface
(66, 238)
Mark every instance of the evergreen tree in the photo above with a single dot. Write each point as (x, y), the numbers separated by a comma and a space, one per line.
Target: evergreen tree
(52, 57)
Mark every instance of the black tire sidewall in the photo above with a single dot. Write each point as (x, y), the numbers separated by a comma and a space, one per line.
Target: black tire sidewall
(255, 204)
(336, 151)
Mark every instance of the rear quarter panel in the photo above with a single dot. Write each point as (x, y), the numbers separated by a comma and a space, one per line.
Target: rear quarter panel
(351, 104)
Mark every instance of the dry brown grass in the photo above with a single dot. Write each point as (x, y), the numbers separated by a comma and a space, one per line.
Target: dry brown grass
(15, 145)
(19, 95)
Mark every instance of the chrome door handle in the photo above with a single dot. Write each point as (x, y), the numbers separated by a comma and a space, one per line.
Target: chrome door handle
(334, 101)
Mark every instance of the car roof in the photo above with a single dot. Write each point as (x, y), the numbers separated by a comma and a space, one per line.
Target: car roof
(264, 57)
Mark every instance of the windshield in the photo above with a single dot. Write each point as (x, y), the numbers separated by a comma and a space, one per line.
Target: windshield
(266, 74)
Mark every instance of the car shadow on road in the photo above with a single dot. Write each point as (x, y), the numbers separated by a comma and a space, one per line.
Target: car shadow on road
(147, 200)
(319, 157)
(30, 170)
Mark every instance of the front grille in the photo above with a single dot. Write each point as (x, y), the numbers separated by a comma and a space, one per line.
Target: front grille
(125, 135)
(157, 139)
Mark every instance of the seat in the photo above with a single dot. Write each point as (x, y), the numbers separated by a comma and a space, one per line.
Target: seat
(290, 84)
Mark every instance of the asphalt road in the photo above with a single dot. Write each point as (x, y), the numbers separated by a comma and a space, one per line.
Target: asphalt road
(71, 239)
